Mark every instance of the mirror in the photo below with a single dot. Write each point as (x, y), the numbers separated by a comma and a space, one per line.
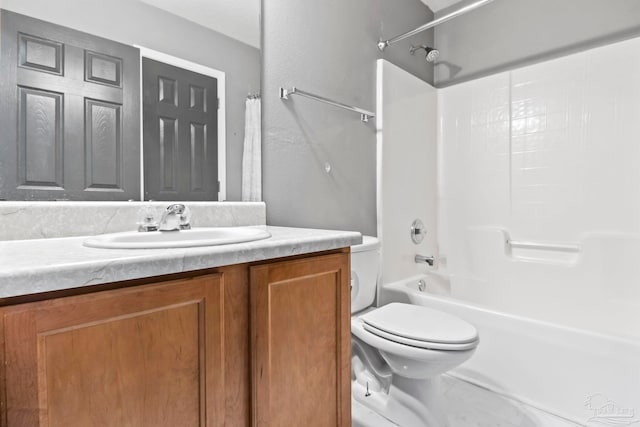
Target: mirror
(219, 39)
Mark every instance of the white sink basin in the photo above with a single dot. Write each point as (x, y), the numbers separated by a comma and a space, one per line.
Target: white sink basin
(205, 236)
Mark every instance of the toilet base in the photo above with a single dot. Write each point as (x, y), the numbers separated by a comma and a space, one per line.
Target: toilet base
(408, 402)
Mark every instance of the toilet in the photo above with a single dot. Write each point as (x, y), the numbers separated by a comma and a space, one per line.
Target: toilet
(400, 350)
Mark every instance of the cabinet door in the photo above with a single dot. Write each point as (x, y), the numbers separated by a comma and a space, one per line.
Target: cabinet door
(301, 347)
(150, 355)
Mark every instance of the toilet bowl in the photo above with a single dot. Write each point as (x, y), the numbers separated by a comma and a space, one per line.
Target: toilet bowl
(439, 342)
(400, 350)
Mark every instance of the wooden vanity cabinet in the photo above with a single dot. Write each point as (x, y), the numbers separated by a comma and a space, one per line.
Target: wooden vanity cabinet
(301, 342)
(151, 355)
(182, 352)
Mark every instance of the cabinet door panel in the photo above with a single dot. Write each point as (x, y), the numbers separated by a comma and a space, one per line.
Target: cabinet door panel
(145, 356)
(301, 342)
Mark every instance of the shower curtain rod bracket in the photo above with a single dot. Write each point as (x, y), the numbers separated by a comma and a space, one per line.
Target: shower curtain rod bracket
(284, 93)
(382, 44)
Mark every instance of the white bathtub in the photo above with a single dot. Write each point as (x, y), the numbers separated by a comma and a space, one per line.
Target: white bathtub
(585, 377)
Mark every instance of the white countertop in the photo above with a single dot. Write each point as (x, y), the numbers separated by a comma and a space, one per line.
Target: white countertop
(43, 265)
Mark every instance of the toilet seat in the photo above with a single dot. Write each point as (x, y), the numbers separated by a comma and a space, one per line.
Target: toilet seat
(420, 327)
(434, 358)
(419, 344)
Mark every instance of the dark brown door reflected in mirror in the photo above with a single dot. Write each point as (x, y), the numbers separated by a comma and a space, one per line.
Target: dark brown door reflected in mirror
(180, 133)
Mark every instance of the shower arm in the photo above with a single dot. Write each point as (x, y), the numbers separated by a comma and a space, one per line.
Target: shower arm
(382, 44)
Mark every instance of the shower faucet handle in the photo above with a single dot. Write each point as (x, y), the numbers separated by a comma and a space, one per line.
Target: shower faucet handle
(418, 231)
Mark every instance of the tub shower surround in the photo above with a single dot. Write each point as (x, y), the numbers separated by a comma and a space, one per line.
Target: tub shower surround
(546, 154)
(539, 200)
(521, 359)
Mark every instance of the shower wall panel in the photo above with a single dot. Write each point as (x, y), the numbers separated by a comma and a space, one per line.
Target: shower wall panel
(407, 161)
(546, 154)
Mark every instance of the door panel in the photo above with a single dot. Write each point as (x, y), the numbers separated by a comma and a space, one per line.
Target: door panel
(198, 157)
(103, 124)
(40, 54)
(180, 133)
(198, 98)
(40, 137)
(168, 151)
(103, 69)
(71, 108)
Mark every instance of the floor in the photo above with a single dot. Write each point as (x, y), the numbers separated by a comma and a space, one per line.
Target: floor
(470, 406)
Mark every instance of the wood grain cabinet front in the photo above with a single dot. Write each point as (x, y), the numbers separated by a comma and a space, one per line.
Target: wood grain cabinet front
(151, 355)
(261, 345)
(301, 342)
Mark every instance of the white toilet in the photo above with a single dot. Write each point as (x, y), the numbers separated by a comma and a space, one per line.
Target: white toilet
(399, 350)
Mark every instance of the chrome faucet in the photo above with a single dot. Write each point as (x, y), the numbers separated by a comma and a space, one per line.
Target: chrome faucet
(425, 259)
(175, 217)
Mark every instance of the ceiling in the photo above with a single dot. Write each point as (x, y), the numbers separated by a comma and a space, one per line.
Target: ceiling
(238, 19)
(436, 5)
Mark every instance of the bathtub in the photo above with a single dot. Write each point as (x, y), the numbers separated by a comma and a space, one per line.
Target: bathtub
(584, 377)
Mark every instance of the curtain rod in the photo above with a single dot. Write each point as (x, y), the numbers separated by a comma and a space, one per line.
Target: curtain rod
(382, 44)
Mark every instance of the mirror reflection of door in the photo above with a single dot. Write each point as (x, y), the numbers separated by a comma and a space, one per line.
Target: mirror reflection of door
(69, 113)
(180, 133)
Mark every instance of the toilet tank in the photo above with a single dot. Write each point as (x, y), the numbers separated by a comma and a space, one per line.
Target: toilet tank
(365, 265)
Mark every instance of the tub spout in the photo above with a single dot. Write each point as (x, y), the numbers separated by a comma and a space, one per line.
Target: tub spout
(425, 259)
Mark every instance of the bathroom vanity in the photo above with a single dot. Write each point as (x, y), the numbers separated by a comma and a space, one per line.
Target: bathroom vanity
(247, 334)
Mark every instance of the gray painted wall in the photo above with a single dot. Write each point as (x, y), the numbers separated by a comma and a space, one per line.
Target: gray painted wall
(507, 34)
(133, 22)
(329, 48)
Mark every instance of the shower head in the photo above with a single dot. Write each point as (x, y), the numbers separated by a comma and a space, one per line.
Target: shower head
(431, 54)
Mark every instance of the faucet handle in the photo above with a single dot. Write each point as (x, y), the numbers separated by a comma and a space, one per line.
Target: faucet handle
(175, 208)
(146, 219)
(175, 217)
(418, 231)
(185, 219)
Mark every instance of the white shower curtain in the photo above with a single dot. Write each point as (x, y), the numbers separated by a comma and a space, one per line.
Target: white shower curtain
(252, 155)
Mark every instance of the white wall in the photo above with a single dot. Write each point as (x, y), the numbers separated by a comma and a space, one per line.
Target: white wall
(407, 137)
(547, 153)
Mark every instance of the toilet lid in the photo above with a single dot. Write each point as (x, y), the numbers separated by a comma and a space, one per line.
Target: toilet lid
(419, 324)
(419, 344)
